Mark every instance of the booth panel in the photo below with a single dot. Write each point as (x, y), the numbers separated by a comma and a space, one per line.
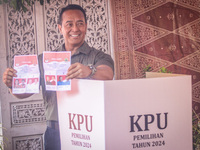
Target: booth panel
(151, 114)
(81, 116)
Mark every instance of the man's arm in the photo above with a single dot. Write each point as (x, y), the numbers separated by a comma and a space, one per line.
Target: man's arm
(103, 72)
(77, 70)
(7, 80)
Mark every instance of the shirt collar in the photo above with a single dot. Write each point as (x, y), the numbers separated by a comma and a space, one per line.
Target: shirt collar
(85, 49)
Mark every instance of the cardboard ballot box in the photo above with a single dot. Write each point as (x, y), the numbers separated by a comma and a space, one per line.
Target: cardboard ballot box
(135, 114)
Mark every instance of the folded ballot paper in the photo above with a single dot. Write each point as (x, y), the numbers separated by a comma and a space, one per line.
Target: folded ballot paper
(56, 65)
(28, 75)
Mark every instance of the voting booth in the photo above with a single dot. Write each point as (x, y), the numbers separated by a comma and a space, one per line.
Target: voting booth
(136, 114)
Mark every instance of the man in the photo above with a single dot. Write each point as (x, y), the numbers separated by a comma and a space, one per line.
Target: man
(30, 81)
(23, 83)
(35, 81)
(29, 86)
(65, 81)
(60, 81)
(87, 63)
(48, 80)
(16, 83)
(33, 86)
(53, 82)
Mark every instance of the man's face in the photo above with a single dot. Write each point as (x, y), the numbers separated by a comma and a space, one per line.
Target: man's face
(16, 82)
(30, 81)
(73, 28)
(23, 81)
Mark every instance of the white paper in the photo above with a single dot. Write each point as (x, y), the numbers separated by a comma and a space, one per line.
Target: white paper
(56, 65)
(27, 80)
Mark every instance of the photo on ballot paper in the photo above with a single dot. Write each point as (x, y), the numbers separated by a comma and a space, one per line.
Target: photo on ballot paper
(62, 80)
(19, 83)
(50, 80)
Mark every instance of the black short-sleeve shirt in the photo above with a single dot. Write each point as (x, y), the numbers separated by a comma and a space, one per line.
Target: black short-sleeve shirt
(84, 55)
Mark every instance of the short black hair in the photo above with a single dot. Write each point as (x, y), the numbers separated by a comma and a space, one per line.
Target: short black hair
(71, 7)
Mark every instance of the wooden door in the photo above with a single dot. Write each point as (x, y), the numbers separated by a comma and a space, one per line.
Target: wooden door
(32, 33)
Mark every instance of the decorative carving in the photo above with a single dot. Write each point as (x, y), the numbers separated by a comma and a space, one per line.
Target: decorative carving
(192, 3)
(170, 16)
(196, 92)
(172, 47)
(53, 37)
(74, 2)
(28, 143)
(168, 19)
(28, 112)
(190, 30)
(143, 34)
(21, 33)
(97, 33)
(191, 62)
(143, 60)
(139, 6)
(125, 68)
(122, 53)
(97, 21)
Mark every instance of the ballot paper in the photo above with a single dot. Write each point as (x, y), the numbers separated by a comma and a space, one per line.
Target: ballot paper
(28, 75)
(56, 65)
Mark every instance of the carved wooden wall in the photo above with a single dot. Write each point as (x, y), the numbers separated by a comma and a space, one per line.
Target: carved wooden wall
(32, 32)
(21, 33)
(97, 19)
(159, 33)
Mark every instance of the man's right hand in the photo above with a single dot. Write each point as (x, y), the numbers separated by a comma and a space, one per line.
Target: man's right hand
(7, 80)
(8, 76)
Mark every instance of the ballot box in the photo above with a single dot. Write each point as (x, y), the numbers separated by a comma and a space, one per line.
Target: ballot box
(134, 114)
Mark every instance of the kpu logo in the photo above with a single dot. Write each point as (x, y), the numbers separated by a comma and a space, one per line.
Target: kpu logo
(76, 121)
(141, 122)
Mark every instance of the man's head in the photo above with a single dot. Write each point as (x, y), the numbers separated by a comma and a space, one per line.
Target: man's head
(30, 81)
(60, 78)
(72, 25)
(23, 81)
(36, 80)
(16, 82)
(71, 7)
(48, 79)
